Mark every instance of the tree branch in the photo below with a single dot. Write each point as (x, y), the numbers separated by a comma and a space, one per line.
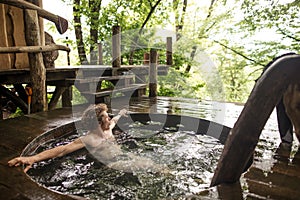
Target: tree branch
(287, 35)
(134, 42)
(210, 8)
(238, 53)
(149, 15)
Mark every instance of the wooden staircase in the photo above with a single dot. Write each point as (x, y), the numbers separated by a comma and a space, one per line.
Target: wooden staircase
(95, 91)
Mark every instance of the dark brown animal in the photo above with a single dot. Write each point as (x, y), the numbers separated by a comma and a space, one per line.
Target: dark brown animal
(288, 109)
(291, 100)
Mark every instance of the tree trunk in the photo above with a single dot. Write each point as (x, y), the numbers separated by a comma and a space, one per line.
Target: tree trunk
(95, 6)
(116, 46)
(78, 33)
(179, 21)
(192, 56)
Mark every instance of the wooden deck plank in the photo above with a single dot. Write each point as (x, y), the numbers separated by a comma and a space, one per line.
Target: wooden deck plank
(22, 76)
(110, 91)
(97, 79)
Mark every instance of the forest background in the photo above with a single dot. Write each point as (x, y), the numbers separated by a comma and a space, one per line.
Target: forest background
(233, 39)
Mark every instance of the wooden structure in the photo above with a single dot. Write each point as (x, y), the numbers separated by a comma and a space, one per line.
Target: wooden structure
(23, 51)
(169, 53)
(65, 77)
(21, 62)
(153, 73)
(244, 136)
(13, 42)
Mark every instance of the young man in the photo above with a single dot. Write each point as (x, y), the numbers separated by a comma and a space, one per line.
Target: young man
(95, 118)
(100, 142)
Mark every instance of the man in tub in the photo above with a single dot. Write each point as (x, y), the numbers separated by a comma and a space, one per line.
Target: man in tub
(99, 141)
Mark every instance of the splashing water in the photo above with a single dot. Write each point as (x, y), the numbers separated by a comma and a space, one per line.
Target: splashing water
(191, 159)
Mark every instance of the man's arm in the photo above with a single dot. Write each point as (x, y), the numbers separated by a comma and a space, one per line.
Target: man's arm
(115, 119)
(47, 154)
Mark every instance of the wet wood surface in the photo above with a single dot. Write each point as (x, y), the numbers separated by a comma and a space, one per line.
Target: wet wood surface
(14, 183)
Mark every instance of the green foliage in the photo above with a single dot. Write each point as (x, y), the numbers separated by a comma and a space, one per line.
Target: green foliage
(235, 80)
(128, 14)
(180, 84)
(77, 97)
(276, 18)
(106, 84)
(18, 113)
(240, 38)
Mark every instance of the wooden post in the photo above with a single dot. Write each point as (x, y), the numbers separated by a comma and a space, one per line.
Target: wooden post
(100, 54)
(1, 113)
(41, 22)
(116, 46)
(169, 51)
(146, 59)
(153, 73)
(55, 97)
(66, 97)
(37, 68)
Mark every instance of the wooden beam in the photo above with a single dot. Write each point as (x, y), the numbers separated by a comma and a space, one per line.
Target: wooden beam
(169, 51)
(37, 68)
(14, 98)
(21, 91)
(33, 49)
(66, 98)
(146, 58)
(60, 23)
(55, 97)
(100, 54)
(153, 73)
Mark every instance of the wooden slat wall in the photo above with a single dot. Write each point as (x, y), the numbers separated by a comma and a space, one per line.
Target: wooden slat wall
(12, 34)
(5, 62)
(17, 22)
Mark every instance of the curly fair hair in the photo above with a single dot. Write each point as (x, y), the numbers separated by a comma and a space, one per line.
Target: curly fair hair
(92, 116)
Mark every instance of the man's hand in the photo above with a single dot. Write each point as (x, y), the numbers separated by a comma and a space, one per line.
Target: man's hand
(22, 160)
(123, 112)
(117, 117)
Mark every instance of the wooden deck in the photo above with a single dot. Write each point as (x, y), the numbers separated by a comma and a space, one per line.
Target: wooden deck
(65, 77)
(281, 181)
(54, 75)
(14, 184)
